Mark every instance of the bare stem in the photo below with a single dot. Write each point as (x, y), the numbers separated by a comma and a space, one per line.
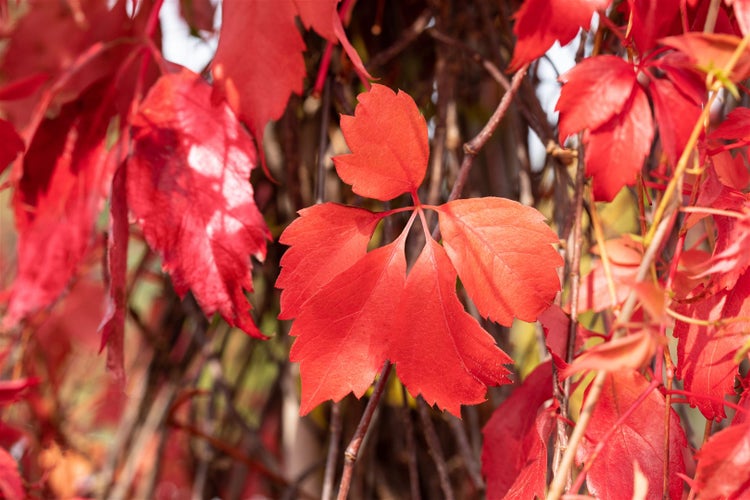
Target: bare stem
(333, 451)
(350, 455)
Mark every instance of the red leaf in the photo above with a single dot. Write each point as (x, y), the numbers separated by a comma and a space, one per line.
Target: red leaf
(625, 256)
(11, 484)
(343, 330)
(711, 51)
(640, 438)
(250, 55)
(626, 139)
(676, 115)
(514, 453)
(325, 240)
(361, 310)
(396, 162)
(503, 253)
(13, 390)
(724, 463)
(439, 350)
(735, 127)
(731, 171)
(607, 81)
(66, 172)
(630, 352)
(188, 187)
(705, 353)
(652, 20)
(113, 324)
(561, 22)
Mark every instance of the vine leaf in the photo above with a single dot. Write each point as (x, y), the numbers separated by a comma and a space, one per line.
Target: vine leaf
(723, 463)
(619, 126)
(397, 162)
(353, 310)
(562, 21)
(323, 242)
(705, 354)
(640, 438)
(188, 187)
(514, 453)
(250, 55)
(499, 247)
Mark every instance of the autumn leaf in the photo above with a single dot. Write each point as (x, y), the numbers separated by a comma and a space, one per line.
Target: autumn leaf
(250, 55)
(561, 22)
(439, 350)
(710, 53)
(113, 323)
(723, 463)
(705, 353)
(397, 162)
(343, 330)
(354, 310)
(65, 176)
(514, 452)
(188, 187)
(620, 127)
(498, 247)
(640, 438)
(11, 484)
(324, 241)
(630, 352)
(677, 106)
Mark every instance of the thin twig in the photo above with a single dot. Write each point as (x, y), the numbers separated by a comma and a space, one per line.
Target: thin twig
(472, 148)
(574, 276)
(407, 37)
(333, 452)
(436, 451)
(350, 456)
(325, 110)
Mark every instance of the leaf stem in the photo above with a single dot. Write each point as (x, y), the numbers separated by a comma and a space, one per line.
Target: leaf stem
(350, 455)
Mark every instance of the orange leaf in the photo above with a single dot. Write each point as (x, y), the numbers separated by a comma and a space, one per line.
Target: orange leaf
(388, 139)
(503, 253)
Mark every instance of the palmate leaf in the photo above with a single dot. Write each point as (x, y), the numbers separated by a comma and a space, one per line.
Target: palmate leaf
(188, 187)
(354, 309)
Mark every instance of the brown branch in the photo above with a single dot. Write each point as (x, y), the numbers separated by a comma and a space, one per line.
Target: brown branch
(350, 456)
(472, 148)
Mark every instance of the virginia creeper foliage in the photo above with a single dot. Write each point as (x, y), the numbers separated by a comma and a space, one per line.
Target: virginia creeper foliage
(529, 321)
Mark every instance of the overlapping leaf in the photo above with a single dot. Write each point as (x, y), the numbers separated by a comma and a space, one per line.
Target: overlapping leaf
(561, 22)
(250, 55)
(724, 464)
(620, 127)
(705, 354)
(62, 189)
(354, 309)
(514, 453)
(640, 438)
(188, 187)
